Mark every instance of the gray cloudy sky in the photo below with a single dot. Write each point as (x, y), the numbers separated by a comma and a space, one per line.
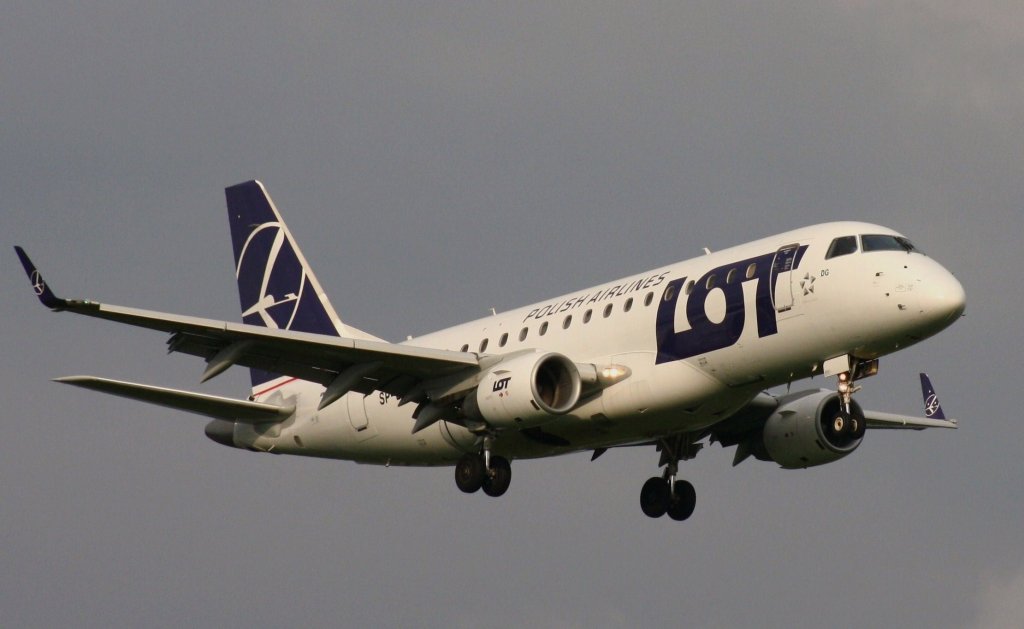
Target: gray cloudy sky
(438, 159)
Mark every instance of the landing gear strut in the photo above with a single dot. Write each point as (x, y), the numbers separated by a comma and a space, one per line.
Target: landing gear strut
(847, 423)
(490, 472)
(665, 494)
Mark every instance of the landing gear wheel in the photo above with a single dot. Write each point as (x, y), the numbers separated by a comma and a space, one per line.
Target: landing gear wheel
(841, 423)
(840, 428)
(684, 499)
(497, 479)
(655, 497)
(470, 473)
(857, 427)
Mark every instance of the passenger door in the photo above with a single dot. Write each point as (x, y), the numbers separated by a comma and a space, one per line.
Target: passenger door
(782, 277)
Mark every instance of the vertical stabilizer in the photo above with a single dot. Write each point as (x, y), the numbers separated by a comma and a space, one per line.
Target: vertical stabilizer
(276, 286)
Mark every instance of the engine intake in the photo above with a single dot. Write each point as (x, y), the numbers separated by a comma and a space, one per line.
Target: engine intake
(811, 431)
(526, 391)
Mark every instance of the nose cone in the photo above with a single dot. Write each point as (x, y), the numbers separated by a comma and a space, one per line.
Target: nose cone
(943, 299)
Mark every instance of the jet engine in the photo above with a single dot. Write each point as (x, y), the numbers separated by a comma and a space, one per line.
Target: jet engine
(813, 430)
(526, 391)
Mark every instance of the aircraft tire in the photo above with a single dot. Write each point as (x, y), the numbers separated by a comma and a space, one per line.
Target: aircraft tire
(683, 502)
(655, 497)
(470, 473)
(496, 482)
(858, 426)
(840, 423)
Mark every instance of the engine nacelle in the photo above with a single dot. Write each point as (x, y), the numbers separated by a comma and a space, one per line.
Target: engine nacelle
(802, 433)
(526, 391)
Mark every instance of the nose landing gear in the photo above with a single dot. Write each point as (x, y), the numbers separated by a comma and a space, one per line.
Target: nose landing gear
(847, 423)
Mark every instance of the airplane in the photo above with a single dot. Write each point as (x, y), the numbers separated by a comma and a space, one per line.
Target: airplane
(673, 359)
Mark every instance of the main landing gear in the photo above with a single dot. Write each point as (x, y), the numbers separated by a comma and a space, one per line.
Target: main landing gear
(659, 496)
(665, 494)
(485, 471)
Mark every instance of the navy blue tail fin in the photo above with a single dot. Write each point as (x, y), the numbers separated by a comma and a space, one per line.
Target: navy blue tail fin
(932, 408)
(276, 287)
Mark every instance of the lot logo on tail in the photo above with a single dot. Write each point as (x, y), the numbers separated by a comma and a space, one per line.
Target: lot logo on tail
(271, 279)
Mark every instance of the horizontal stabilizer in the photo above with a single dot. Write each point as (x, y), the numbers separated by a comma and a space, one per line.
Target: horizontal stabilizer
(213, 406)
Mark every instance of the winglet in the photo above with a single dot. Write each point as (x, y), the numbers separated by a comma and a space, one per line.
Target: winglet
(932, 408)
(43, 291)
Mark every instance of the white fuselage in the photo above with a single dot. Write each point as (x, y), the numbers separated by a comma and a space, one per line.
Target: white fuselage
(701, 338)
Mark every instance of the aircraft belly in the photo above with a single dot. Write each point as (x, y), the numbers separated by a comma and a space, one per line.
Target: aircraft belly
(583, 434)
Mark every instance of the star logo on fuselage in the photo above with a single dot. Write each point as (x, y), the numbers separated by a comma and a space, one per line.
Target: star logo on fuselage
(807, 284)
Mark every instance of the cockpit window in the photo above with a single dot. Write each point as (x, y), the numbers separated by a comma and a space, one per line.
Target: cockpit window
(842, 246)
(879, 242)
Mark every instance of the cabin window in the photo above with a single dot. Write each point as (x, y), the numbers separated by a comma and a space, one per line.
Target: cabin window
(649, 298)
(465, 348)
(844, 245)
(689, 288)
(751, 270)
(711, 282)
(483, 346)
(567, 322)
(730, 276)
(587, 315)
(628, 305)
(503, 340)
(523, 333)
(607, 311)
(543, 328)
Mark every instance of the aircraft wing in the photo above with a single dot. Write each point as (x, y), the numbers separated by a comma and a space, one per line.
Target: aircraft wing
(878, 419)
(936, 418)
(347, 364)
